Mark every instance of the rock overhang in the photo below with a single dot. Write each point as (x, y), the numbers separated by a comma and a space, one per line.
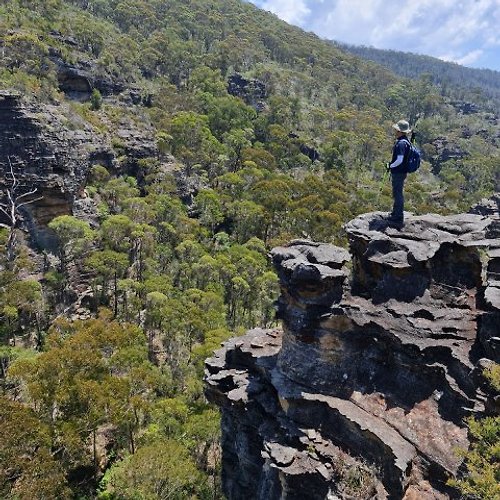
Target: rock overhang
(361, 361)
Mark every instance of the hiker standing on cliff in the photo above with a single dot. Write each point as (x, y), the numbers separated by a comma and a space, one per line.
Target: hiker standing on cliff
(397, 167)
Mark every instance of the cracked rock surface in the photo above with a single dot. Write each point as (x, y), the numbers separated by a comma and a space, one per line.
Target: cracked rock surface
(51, 149)
(364, 391)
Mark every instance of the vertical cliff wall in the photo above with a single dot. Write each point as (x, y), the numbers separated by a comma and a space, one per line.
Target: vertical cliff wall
(48, 147)
(364, 390)
(44, 155)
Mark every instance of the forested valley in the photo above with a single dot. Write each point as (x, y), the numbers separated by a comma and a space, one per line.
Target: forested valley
(261, 133)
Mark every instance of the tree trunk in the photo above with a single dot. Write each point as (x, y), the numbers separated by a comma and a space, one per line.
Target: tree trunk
(94, 449)
(115, 282)
(131, 439)
(11, 247)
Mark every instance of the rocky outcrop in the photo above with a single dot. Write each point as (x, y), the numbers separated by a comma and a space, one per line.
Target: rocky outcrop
(252, 91)
(364, 390)
(77, 79)
(445, 150)
(46, 153)
(309, 151)
(489, 207)
(465, 107)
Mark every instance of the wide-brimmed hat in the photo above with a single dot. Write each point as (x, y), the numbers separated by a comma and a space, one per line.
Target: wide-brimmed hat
(402, 126)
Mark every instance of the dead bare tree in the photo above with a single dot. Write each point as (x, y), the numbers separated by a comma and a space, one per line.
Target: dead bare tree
(13, 200)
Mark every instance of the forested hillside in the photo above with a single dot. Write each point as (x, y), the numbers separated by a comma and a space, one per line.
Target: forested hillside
(481, 85)
(218, 132)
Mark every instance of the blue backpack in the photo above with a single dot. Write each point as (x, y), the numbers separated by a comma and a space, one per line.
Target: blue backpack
(413, 158)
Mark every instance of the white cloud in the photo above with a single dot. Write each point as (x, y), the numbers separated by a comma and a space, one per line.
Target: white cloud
(469, 58)
(291, 11)
(460, 29)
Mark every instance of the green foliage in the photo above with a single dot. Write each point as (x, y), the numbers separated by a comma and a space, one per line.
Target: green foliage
(208, 81)
(116, 190)
(26, 52)
(492, 373)
(227, 113)
(73, 234)
(94, 372)
(482, 460)
(192, 140)
(482, 479)
(160, 470)
(20, 302)
(27, 466)
(210, 208)
(109, 266)
(95, 100)
(99, 175)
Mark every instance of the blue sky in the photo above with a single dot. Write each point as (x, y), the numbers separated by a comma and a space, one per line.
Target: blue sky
(463, 31)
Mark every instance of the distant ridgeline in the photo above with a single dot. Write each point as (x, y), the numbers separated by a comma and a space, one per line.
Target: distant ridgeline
(473, 82)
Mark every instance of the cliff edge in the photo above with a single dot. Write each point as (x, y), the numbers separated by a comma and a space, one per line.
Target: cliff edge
(364, 391)
(51, 149)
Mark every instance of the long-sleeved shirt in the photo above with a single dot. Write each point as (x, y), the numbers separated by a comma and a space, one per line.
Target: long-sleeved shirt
(399, 153)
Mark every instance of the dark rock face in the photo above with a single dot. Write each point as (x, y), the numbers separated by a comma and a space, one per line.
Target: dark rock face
(78, 79)
(74, 81)
(364, 391)
(489, 207)
(252, 91)
(445, 150)
(311, 153)
(46, 154)
(465, 107)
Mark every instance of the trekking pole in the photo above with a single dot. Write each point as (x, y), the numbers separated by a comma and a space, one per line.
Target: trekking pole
(382, 183)
(384, 177)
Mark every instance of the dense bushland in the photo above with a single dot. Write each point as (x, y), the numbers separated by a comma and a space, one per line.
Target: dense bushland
(107, 402)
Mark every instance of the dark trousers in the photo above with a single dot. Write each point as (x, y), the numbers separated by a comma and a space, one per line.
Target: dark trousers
(398, 181)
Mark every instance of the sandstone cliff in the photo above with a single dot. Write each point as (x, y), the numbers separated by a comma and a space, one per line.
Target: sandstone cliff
(364, 391)
(50, 148)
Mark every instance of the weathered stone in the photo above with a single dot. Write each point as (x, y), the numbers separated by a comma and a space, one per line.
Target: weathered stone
(47, 155)
(430, 253)
(78, 79)
(489, 335)
(312, 272)
(465, 107)
(86, 209)
(376, 379)
(488, 207)
(492, 295)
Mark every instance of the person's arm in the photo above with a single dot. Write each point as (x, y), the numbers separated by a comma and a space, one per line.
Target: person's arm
(400, 153)
(397, 161)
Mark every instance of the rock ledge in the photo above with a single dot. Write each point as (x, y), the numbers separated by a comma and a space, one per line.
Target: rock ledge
(377, 364)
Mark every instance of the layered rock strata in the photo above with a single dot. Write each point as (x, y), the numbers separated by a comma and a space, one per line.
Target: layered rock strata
(51, 149)
(364, 391)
